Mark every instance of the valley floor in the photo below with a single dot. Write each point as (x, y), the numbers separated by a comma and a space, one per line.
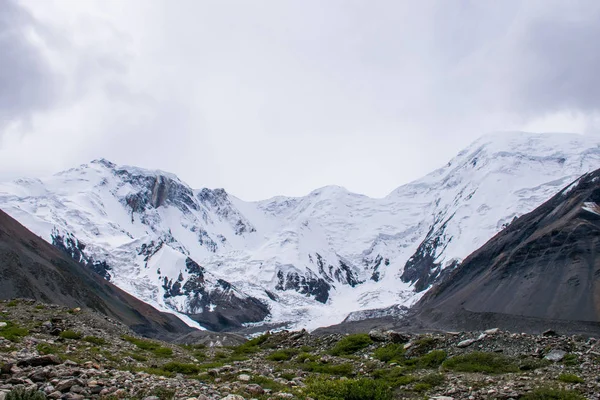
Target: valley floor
(78, 354)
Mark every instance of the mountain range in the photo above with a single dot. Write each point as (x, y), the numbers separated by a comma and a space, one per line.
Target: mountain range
(222, 262)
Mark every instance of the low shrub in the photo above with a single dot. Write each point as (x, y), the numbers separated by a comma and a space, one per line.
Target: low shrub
(552, 394)
(47, 348)
(163, 352)
(331, 369)
(71, 335)
(571, 360)
(433, 359)
(181, 368)
(13, 332)
(149, 345)
(491, 363)
(95, 340)
(393, 377)
(391, 353)
(282, 355)
(22, 394)
(351, 344)
(570, 378)
(422, 387)
(349, 389)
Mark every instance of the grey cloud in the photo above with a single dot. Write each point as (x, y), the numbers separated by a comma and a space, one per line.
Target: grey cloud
(27, 83)
(557, 61)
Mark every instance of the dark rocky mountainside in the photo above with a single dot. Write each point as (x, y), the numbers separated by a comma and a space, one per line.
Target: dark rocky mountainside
(32, 268)
(543, 268)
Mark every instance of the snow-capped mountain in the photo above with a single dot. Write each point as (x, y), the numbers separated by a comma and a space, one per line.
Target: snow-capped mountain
(305, 261)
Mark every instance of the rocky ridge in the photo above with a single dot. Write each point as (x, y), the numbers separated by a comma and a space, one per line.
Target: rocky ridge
(79, 354)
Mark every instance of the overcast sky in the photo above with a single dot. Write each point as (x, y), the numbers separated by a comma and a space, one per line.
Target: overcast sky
(281, 97)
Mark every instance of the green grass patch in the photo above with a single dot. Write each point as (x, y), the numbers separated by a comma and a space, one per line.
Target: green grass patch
(571, 360)
(13, 332)
(214, 364)
(351, 344)
(267, 383)
(393, 352)
(422, 387)
(433, 359)
(552, 394)
(491, 363)
(149, 345)
(349, 389)
(143, 344)
(394, 377)
(163, 352)
(570, 378)
(181, 368)
(251, 346)
(330, 369)
(282, 355)
(287, 375)
(95, 340)
(71, 335)
(47, 348)
(12, 303)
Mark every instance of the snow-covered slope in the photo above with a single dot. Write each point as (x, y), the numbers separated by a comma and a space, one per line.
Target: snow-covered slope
(306, 261)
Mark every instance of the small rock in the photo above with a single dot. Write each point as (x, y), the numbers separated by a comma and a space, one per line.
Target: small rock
(466, 343)
(284, 395)
(255, 389)
(233, 397)
(65, 385)
(397, 337)
(377, 335)
(3, 325)
(492, 331)
(556, 355)
(441, 398)
(244, 378)
(41, 361)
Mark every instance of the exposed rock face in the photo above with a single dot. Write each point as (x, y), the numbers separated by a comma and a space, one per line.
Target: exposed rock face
(546, 264)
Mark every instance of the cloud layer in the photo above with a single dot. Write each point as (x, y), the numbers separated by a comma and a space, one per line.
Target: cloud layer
(273, 97)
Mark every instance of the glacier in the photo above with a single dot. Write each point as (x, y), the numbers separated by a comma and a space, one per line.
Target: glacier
(220, 262)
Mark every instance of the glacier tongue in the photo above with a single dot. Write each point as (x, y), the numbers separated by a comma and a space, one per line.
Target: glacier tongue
(303, 262)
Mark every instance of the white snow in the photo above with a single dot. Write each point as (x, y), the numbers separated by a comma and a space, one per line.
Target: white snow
(467, 201)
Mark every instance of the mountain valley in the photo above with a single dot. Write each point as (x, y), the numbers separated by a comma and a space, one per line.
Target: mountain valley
(223, 263)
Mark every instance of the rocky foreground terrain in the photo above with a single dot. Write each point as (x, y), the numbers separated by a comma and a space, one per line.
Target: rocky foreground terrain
(64, 353)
